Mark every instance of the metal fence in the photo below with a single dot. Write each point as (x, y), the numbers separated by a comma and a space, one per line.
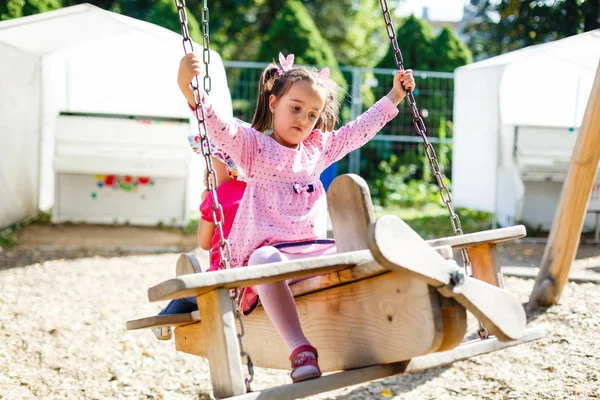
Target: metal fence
(434, 96)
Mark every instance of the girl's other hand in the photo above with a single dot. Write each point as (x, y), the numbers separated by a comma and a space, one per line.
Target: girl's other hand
(189, 67)
(402, 80)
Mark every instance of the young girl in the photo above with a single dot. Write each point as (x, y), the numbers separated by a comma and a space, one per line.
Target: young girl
(230, 189)
(282, 215)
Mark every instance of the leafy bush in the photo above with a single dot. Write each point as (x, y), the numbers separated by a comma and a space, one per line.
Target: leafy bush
(394, 186)
(443, 152)
(243, 109)
(534, 230)
(8, 238)
(433, 221)
(192, 225)
(404, 177)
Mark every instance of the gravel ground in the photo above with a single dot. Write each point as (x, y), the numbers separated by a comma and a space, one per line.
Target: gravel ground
(62, 336)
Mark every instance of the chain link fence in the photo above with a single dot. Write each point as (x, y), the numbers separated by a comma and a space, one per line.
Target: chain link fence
(397, 143)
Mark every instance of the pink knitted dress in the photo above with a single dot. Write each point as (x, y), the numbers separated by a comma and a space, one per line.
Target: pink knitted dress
(284, 200)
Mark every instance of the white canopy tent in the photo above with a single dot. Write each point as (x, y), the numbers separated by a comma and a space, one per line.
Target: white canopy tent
(82, 59)
(515, 122)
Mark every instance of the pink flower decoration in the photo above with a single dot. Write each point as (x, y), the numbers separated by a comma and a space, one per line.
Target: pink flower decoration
(327, 81)
(286, 63)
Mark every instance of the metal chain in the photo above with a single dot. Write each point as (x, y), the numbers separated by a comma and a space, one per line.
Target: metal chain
(429, 150)
(205, 151)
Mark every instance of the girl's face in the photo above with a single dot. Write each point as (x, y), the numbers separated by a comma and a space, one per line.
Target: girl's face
(296, 113)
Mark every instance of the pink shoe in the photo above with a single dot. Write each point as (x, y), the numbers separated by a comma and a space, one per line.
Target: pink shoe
(304, 363)
(247, 301)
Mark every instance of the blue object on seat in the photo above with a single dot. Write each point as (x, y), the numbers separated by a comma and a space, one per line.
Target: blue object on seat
(329, 175)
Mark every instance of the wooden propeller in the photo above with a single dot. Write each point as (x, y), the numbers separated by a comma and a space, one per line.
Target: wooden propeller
(396, 246)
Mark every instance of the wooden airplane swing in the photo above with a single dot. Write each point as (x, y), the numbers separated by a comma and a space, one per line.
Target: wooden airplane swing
(376, 308)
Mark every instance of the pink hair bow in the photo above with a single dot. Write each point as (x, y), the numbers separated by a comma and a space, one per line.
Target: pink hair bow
(286, 63)
(324, 75)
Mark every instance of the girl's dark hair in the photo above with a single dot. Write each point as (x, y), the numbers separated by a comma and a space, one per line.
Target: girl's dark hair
(278, 85)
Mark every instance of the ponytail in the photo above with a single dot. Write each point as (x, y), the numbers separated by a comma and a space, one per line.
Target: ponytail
(263, 117)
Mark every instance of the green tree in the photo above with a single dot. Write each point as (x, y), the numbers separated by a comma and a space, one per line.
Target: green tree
(415, 38)
(104, 4)
(294, 31)
(591, 15)
(422, 51)
(164, 13)
(159, 12)
(496, 27)
(138, 9)
(237, 26)
(353, 29)
(21, 8)
(448, 52)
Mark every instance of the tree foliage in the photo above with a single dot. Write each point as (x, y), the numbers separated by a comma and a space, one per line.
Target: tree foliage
(160, 12)
(422, 50)
(500, 26)
(354, 29)
(164, 13)
(294, 31)
(237, 26)
(448, 52)
(10, 9)
(414, 38)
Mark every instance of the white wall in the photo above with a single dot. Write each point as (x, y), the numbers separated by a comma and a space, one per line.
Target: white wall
(475, 141)
(509, 186)
(54, 97)
(91, 149)
(546, 86)
(120, 66)
(545, 90)
(130, 74)
(19, 127)
(541, 202)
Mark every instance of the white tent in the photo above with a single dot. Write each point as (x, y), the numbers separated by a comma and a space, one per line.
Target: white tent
(515, 122)
(82, 59)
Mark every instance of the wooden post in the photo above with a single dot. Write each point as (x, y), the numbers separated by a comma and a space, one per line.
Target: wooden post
(568, 220)
(484, 261)
(223, 354)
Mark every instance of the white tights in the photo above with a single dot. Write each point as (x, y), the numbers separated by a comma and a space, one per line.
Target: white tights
(277, 298)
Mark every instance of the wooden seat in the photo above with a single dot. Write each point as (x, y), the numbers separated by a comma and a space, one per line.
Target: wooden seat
(361, 303)
(355, 311)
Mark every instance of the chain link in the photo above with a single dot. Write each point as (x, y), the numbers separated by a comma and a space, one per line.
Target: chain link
(217, 210)
(422, 131)
(429, 150)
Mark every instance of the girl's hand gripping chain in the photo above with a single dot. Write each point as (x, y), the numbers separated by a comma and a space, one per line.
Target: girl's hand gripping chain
(402, 80)
(189, 67)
